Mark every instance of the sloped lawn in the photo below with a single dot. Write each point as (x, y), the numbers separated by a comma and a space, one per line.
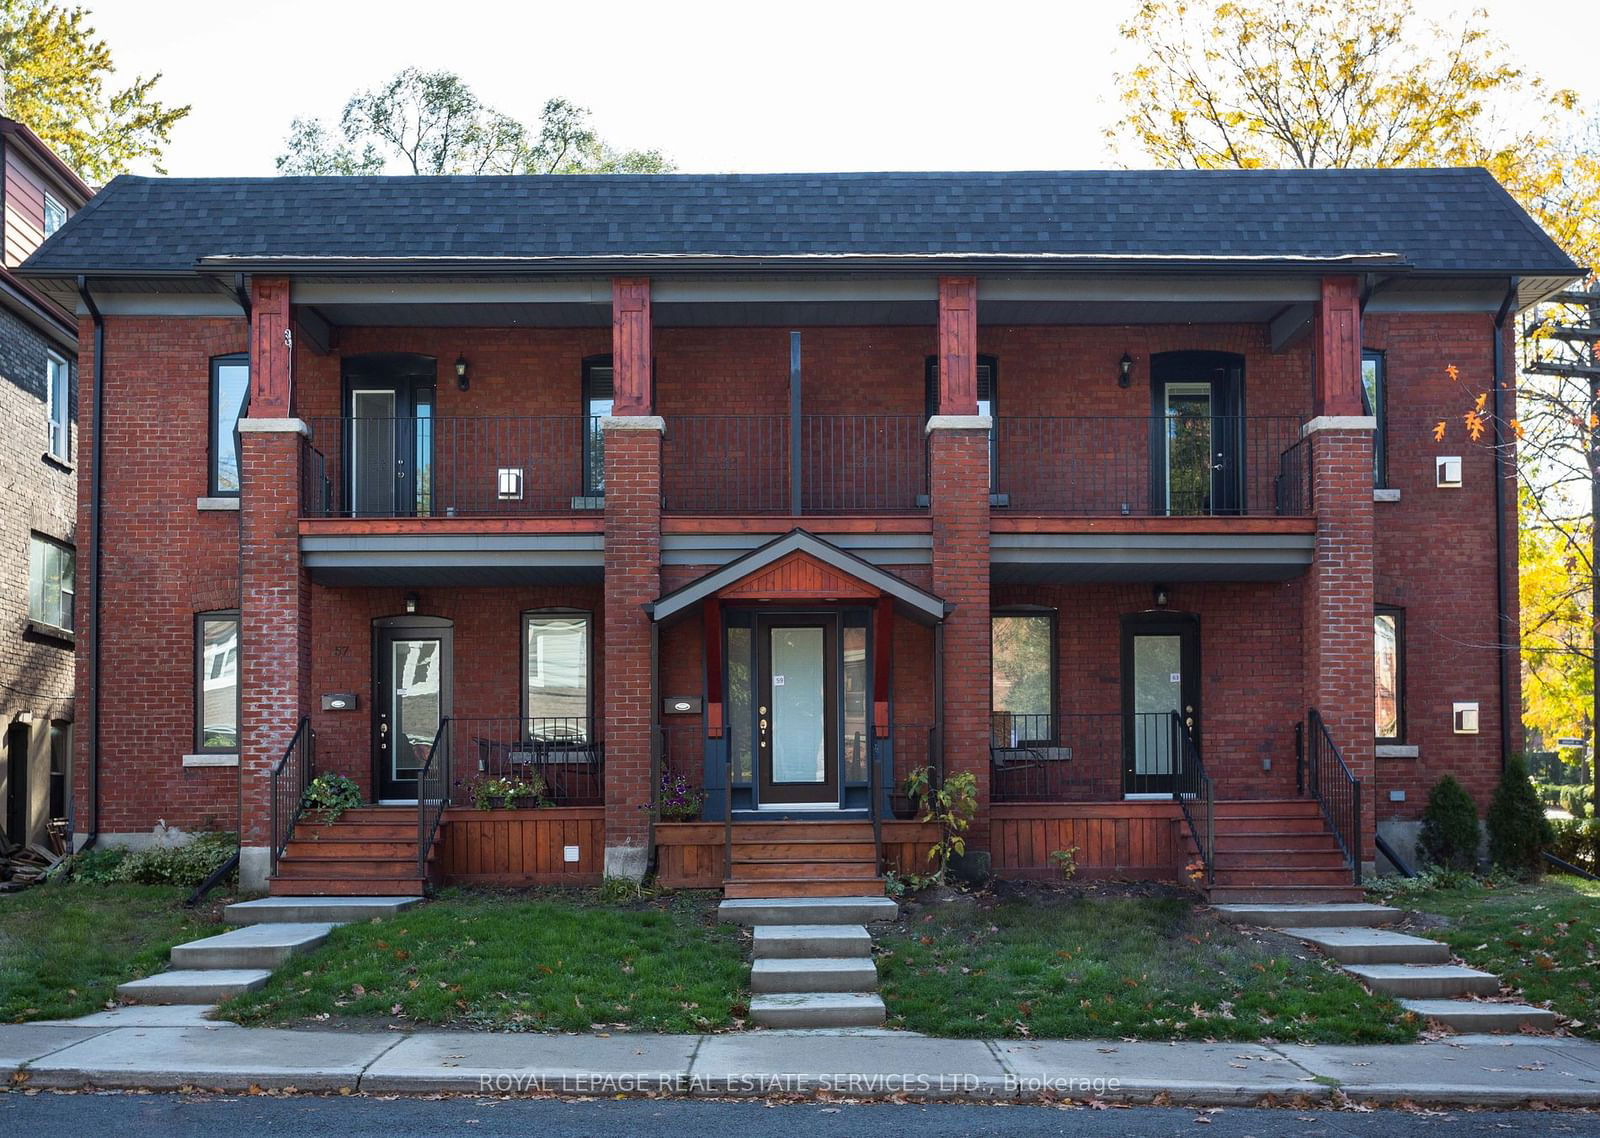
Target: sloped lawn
(518, 962)
(64, 947)
(1542, 938)
(1065, 964)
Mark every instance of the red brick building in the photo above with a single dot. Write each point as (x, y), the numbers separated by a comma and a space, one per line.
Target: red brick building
(709, 508)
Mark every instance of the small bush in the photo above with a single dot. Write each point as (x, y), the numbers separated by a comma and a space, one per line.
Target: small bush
(1518, 829)
(1577, 841)
(1449, 835)
(187, 865)
(330, 795)
(97, 866)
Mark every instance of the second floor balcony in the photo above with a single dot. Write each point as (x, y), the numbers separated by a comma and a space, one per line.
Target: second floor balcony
(1186, 463)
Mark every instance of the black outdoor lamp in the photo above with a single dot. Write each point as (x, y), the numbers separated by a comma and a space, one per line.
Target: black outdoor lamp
(411, 604)
(463, 382)
(1124, 370)
(1161, 596)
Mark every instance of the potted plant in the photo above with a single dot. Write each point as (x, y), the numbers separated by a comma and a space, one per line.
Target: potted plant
(678, 801)
(330, 795)
(501, 793)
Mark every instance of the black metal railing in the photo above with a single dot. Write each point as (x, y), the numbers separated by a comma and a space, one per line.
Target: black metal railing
(286, 786)
(1196, 795)
(1081, 757)
(1293, 489)
(776, 464)
(557, 760)
(422, 466)
(1146, 466)
(1337, 790)
(433, 793)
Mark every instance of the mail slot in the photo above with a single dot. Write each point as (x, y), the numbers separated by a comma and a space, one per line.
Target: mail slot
(681, 705)
(339, 701)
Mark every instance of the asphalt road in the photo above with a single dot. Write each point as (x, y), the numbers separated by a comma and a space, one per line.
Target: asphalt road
(179, 1116)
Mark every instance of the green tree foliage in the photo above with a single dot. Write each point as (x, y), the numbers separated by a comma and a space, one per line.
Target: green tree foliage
(431, 122)
(55, 77)
(1518, 830)
(1449, 826)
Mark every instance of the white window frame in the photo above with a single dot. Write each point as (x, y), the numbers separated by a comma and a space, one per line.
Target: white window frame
(58, 406)
(53, 207)
(40, 549)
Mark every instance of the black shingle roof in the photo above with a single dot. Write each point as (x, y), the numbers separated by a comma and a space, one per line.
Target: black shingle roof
(1457, 220)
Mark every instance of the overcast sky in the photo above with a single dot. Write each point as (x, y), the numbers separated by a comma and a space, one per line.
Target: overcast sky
(757, 85)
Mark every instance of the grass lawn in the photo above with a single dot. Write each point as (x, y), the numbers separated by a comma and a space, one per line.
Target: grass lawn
(1542, 938)
(1063, 964)
(535, 961)
(64, 948)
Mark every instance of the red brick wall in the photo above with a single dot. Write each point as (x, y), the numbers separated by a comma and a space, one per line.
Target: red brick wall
(1436, 556)
(165, 561)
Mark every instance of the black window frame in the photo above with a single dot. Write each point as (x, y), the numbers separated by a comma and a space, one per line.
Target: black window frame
(1398, 615)
(593, 487)
(1052, 617)
(588, 664)
(930, 378)
(60, 742)
(200, 620)
(233, 359)
(1378, 410)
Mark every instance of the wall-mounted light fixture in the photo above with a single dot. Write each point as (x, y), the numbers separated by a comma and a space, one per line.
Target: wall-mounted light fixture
(462, 382)
(1124, 370)
(411, 603)
(1161, 596)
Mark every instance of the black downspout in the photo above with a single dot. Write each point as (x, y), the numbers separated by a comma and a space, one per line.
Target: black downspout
(1502, 617)
(96, 483)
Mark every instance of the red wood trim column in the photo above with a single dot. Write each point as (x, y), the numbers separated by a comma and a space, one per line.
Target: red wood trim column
(882, 640)
(1338, 346)
(630, 346)
(271, 349)
(958, 345)
(712, 614)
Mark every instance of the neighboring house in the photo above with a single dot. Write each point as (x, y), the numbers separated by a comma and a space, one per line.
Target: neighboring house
(38, 515)
(1116, 490)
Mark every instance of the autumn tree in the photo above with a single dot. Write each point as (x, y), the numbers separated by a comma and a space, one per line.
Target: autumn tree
(56, 78)
(431, 122)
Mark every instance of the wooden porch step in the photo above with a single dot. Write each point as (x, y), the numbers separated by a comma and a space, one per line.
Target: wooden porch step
(363, 867)
(1271, 824)
(1281, 875)
(802, 831)
(776, 870)
(1326, 857)
(1234, 840)
(804, 887)
(377, 814)
(802, 850)
(1285, 894)
(345, 848)
(333, 886)
(1269, 807)
(342, 829)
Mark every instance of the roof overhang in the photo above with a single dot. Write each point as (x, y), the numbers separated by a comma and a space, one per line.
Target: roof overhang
(916, 603)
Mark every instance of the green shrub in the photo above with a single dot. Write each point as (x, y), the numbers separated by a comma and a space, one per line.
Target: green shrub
(1576, 800)
(1518, 829)
(96, 866)
(1449, 826)
(1577, 841)
(330, 795)
(187, 865)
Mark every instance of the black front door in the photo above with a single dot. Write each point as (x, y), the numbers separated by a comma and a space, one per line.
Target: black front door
(389, 429)
(410, 696)
(797, 712)
(17, 783)
(1197, 434)
(1160, 677)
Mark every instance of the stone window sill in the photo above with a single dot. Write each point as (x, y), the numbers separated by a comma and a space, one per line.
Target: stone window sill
(1390, 494)
(217, 504)
(216, 759)
(1397, 750)
(60, 464)
(51, 632)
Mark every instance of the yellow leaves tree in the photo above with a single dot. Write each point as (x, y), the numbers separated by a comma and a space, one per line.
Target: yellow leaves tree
(1557, 624)
(55, 78)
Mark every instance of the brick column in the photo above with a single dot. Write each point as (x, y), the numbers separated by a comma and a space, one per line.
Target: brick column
(633, 579)
(1338, 604)
(958, 495)
(275, 601)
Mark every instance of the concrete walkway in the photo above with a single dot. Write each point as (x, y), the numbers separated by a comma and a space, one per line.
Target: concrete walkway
(143, 1048)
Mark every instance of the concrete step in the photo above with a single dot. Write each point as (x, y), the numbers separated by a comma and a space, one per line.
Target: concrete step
(254, 946)
(815, 974)
(1426, 981)
(313, 885)
(816, 887)
(807, 910)
(1284, 894)
(1372, 946)
(1477, 1015)
(304, 909)
(818, 1009)
(798, 942)
(191, 986)
(1357, 915)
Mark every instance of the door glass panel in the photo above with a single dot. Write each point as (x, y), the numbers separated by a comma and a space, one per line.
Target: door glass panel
(1157, 693)
(857, 738)
(799, 753)
(422, 460)
(740, 641)
(372, 452)
(415, 710)
(1189, 449)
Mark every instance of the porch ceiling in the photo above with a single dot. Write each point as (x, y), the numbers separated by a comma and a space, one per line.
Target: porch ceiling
(1042, 558)
(460, 560)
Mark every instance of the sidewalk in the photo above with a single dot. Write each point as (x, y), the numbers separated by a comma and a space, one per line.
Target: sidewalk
(169, 1048)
